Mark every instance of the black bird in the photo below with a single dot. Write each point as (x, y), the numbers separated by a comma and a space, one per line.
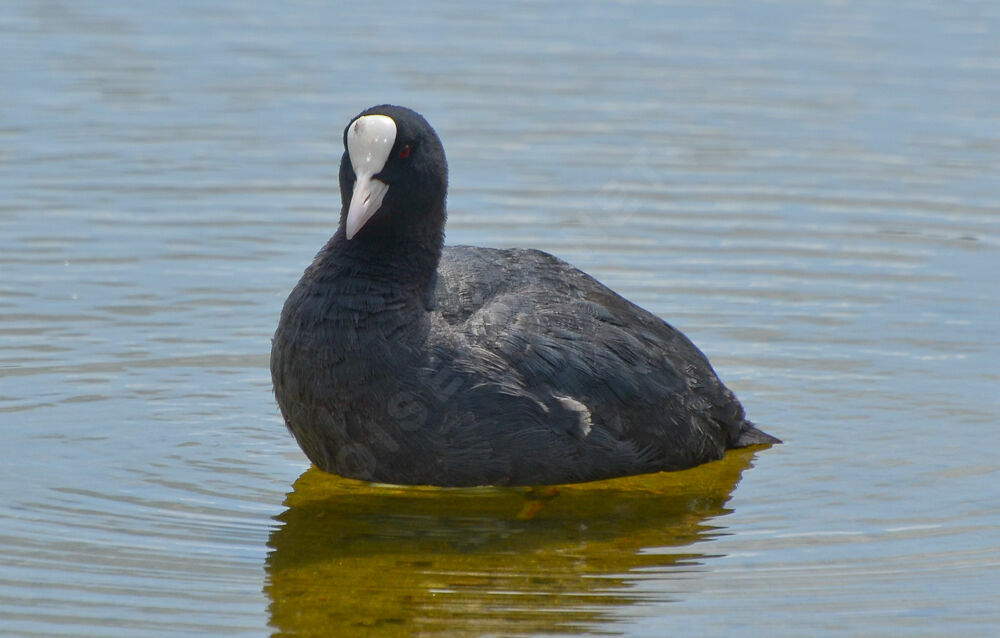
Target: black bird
(400, 361)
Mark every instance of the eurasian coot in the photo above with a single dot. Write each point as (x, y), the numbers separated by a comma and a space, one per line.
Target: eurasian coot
(398, 360)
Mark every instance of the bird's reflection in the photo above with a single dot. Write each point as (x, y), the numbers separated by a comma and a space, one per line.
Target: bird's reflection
(352, 558)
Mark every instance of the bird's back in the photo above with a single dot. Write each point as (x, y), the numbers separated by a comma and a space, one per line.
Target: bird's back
(621, 390)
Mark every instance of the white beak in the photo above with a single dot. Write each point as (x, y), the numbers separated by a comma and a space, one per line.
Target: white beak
(369, 142)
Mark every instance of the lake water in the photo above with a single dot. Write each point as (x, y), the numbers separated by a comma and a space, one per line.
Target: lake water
(811, 191)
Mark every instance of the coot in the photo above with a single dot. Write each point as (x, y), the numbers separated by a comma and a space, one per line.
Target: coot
(398, 360)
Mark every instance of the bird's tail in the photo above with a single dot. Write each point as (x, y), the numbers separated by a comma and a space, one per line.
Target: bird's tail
(750, 435)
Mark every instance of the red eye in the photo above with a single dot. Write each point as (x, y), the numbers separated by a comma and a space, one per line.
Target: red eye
(405, 151)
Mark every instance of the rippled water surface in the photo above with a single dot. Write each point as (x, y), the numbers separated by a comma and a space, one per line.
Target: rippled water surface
(811, 191)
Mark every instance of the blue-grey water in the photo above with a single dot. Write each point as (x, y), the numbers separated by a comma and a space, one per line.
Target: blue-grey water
(811, 191)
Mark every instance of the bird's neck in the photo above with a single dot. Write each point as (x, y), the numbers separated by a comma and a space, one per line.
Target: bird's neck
(388, 269)
(399, 247)
(365, 304)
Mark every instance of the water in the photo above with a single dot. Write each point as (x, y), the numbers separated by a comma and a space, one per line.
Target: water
(809, 191)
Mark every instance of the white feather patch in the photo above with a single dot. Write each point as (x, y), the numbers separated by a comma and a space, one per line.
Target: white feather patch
(583, 412)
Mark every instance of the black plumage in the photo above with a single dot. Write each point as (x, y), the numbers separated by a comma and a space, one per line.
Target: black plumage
(399, 361)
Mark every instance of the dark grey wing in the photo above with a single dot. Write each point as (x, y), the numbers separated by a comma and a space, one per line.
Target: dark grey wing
(590, 356)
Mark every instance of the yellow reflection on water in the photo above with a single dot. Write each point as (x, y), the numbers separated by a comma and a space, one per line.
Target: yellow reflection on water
(353, 558)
